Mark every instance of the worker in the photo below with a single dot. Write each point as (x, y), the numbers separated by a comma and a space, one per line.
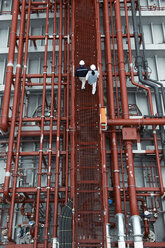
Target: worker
(91, 77)
(81, 73)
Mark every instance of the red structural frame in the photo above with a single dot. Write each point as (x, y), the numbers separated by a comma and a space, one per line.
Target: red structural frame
(70, 100)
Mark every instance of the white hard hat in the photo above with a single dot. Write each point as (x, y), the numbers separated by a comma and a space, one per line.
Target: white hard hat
(93, 67)
(82, 62)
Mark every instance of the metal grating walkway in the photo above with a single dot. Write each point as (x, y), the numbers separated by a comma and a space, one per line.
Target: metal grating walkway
(88, 196)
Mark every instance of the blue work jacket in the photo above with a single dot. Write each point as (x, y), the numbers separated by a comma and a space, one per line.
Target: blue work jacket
(81, 71)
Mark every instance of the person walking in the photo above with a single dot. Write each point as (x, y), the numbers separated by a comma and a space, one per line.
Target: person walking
(81, 73)
(91, 77)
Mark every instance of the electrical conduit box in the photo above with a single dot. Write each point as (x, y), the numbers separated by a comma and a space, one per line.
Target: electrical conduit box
(103, 118)
(129, 133)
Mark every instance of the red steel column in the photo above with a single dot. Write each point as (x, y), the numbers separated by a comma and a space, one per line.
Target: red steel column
(9, 71)
(15, 101)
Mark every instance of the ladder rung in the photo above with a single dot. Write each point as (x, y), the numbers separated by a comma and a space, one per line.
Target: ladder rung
(88, 182)
(98, 212)
(89, 191)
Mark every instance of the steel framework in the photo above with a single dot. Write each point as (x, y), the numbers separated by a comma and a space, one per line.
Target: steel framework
(87, 150)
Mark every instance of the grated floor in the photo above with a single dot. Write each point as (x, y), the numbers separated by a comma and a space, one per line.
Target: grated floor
(89, 209)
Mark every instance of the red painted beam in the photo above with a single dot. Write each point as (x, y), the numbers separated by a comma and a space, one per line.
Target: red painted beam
(136, 122)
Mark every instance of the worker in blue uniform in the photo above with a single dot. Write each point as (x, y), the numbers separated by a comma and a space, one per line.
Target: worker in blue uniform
(81, 73)
(91, 77)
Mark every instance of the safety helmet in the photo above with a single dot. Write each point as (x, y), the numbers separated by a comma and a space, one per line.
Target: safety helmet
(81, 62)
(93, 67)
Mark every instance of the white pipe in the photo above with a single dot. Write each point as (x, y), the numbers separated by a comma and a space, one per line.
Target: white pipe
(120, 228)
(55, 243)
(108, 239)
(137, 232)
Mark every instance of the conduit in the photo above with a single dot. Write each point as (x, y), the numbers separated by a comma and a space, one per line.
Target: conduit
(125, 111)
(73, 123)
(20, 120)
(145, 62)
(149, 96)
(42, 131)
(15, 102)
(58, 127)
(51, 132)
(147, 82)
(10, 65)
(67, 109)
(84, 221)
(111, 108)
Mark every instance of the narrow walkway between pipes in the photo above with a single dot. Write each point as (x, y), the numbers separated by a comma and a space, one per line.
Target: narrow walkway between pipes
(89, 229)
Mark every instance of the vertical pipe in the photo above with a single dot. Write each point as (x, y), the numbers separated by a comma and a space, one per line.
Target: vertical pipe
(124, 99)
(149, 96)
(55, 220)
(147, 82)
(111, 110)
(42, 129)
(20, 121)
(65, 100)
(67, 111)
(157, 96)
(145, 62)
(121, 64)
(51, 131)
(128, 145)
(102, 134)
(114, 60)
(9, 71)
(15, 101)
(73, 128)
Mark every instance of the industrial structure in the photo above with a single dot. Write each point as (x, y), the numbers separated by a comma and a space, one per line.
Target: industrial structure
(76, 169)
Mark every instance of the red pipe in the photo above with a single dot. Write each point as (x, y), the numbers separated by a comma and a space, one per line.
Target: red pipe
(38, 119)
(102, 134)
(33, 190)
(9, 71)
(58, 127)
(136, 122)
(150, 100)
(15, 102)
(115, 74)
(111, 108)
(146, 221)
(50, 133)
(42, 130)
(23, 15)
(67, 111)
(37, 133)
(41, 75)
(125, 110)
(65, 100)
(73, 127)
